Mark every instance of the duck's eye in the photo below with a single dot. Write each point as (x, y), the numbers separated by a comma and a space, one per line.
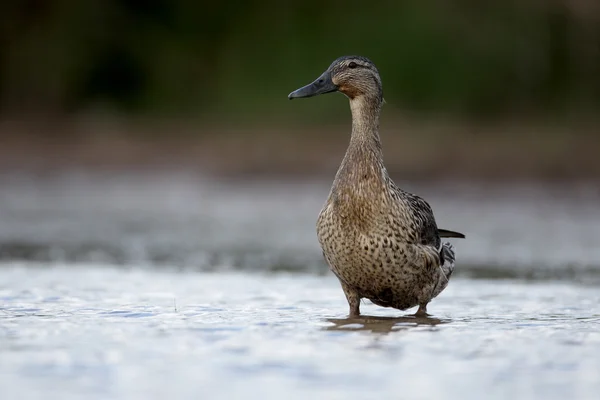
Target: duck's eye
(352, 64)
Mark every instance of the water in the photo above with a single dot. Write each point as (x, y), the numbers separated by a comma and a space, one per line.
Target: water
(176, 219)
(148, 287)
(101, 333)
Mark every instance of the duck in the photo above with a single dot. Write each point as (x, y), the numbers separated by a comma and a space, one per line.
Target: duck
(381, 242)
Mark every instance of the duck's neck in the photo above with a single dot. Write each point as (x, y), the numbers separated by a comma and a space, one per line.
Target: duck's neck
(364, 157)
(365, 125)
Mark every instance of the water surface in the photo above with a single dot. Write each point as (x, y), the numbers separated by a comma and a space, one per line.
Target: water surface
(525, 231)
(100, 333)
(154, 286)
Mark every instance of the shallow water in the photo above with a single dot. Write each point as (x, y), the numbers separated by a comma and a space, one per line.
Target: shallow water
(98, 333)
(160, 220)
(142, 286)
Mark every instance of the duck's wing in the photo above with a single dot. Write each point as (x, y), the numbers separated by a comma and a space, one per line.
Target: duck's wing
(424, 233)
(447, 267)
(426, 230)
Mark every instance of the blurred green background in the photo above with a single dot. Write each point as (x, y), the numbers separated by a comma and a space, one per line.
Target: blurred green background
(504, 70)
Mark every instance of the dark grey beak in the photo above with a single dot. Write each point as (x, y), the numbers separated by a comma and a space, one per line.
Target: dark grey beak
(322, 85)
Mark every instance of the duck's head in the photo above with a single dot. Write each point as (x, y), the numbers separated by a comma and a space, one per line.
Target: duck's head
(354, 76)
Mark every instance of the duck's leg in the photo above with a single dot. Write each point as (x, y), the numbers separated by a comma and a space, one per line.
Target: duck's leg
(353, 300)
(422, 311)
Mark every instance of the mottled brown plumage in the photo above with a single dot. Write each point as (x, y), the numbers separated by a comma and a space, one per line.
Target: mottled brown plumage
(380, 241)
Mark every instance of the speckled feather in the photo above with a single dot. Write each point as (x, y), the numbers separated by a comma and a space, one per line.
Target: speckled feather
(380, 241)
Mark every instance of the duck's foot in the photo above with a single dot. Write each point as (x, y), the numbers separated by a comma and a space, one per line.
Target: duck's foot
(353, 300)
(354, 310)
(422, 311)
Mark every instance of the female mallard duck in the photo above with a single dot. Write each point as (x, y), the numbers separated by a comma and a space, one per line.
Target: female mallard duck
(381, 242)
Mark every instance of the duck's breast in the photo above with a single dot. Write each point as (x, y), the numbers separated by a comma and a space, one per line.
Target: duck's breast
(365, 246)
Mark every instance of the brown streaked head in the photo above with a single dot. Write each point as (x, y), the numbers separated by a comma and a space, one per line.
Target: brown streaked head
(354, 76)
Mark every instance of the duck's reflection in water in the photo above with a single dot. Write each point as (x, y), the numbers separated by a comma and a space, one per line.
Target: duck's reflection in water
(379, 324)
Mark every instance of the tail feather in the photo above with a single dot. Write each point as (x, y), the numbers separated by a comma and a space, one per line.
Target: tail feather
(444, 233)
